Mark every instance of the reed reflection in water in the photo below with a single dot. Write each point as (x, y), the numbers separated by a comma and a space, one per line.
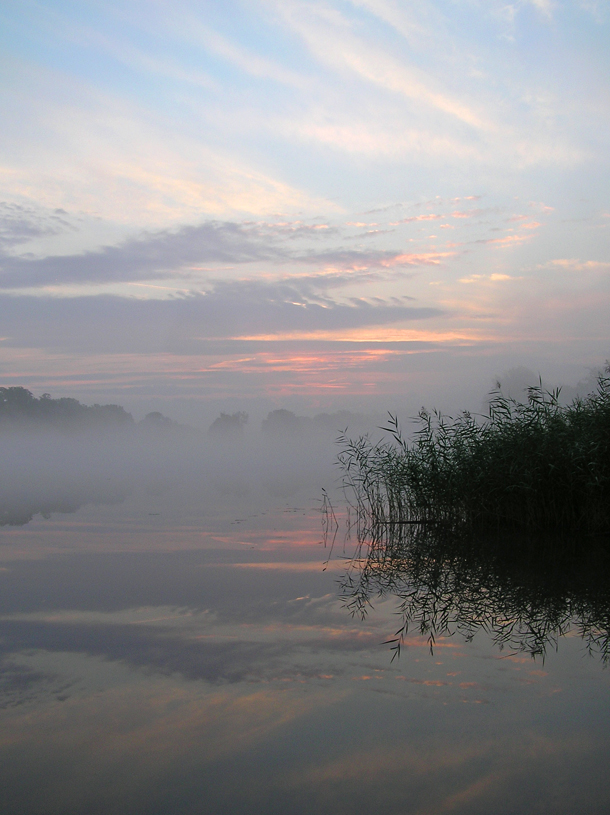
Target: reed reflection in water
(524, 592)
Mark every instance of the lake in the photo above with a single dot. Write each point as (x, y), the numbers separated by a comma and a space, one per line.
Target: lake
(174, 641)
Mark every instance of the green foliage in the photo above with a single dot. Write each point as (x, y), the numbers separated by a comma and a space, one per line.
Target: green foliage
(533, 465)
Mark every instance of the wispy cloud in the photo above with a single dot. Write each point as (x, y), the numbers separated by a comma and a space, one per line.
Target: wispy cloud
(167, 254)
(376, 258)
(252, 63)
(125, 162)
(506, 241)
(330, 36)
(430, 217)
(576, 265)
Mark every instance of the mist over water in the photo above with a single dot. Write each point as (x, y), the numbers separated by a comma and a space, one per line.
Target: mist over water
(176, 636)
(45, 470)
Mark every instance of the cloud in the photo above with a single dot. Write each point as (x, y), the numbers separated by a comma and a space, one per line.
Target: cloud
(153, 256)
(576, 265)
(468, 214)
(508, 240)
(430, 217)
(20, 223)
(545, 7)
(419, 24)
(243, 58)
(168, 253)
(481, 278)
(356, 259)
(329, 36)
(229, 309)
(79, 146)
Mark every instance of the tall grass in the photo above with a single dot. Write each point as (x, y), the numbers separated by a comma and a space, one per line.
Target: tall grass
(535, 465)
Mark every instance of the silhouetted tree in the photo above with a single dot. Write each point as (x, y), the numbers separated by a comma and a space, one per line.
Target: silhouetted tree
(229, 424)
(19, 406)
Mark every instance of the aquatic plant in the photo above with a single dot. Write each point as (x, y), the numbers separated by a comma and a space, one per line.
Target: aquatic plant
(535, 465)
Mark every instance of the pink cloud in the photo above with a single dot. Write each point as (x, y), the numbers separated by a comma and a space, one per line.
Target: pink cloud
(509, 240)
(430, 217)
(423, 259)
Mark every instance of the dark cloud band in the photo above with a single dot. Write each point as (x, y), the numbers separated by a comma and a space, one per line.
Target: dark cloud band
(119, 324)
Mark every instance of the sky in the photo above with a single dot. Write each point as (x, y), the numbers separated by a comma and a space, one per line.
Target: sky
(368, 205)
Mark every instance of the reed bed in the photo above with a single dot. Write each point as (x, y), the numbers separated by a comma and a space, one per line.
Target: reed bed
(533, 465)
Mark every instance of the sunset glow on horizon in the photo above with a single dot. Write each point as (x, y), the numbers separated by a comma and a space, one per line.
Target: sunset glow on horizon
(326, 201)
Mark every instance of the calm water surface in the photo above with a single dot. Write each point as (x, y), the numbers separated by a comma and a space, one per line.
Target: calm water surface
(168, 653)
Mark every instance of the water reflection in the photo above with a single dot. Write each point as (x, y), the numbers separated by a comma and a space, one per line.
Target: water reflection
(180, 653)
(525, 593)
(18, 508)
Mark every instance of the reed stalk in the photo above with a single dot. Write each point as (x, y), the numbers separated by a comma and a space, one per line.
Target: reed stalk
(533, 465)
